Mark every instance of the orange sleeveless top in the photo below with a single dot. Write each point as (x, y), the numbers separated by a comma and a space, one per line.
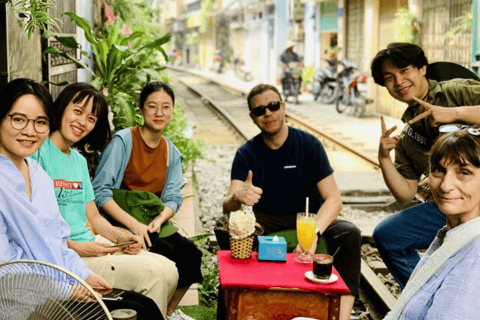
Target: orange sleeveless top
(147, 167)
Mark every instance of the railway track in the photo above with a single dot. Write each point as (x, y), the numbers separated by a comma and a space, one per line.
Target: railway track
(221, 118)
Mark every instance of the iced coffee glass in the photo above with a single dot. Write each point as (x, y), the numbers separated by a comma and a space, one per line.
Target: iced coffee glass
(322, 266)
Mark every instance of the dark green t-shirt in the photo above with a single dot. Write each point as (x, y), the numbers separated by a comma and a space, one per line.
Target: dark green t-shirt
(411, 153)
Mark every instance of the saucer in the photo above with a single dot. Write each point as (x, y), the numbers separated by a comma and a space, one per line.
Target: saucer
(309, 275)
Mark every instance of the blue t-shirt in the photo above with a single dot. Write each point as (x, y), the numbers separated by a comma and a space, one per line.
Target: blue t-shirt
(72, 186)
(287, 175)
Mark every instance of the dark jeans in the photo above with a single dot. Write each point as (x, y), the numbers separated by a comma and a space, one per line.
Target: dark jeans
(185, 254)
(400, 235)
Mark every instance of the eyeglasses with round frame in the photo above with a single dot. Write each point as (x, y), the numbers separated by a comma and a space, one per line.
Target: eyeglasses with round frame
(19, 122)
(152, 109)
(452, 127)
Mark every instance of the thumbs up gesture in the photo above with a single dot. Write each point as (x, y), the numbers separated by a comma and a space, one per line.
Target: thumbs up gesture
(248, 194)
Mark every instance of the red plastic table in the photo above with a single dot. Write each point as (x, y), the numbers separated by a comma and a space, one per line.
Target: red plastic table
(262, 290)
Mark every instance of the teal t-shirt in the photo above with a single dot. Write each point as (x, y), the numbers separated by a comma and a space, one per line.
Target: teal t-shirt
(72, 186)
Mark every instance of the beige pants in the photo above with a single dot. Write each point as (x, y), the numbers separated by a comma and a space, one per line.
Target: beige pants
(147, 273)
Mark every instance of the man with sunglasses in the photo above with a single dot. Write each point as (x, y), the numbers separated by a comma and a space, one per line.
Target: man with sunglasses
(402, 69)
(277, 170)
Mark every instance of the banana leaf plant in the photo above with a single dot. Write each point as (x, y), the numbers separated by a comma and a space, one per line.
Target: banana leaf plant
(122, 65)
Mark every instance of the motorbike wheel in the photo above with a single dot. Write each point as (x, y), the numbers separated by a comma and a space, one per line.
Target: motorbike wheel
(360, 108)
(341, 106)
(328, 94)
(296, 91)
(315, 96)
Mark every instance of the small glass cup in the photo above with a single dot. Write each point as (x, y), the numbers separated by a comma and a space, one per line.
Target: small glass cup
(322, 266)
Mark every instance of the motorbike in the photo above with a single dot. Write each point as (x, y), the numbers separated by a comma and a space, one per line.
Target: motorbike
(323, 76)
(352, 89)
(241, 70)
(292, 80)
(218, 61)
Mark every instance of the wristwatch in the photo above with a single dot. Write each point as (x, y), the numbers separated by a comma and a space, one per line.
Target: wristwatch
(317, 232)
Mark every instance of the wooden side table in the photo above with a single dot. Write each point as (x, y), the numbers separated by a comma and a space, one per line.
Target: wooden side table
(256, 290)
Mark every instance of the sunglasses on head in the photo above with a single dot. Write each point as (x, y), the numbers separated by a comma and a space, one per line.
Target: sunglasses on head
(272, 106)
(451, 127)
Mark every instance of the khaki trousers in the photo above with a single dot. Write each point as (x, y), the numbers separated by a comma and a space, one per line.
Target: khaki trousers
(147, 273)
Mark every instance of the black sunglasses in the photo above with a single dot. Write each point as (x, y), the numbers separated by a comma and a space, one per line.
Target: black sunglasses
(272, 106)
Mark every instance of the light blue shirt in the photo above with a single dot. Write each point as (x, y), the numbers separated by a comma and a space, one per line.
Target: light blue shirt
(453, 291)
(33, 228)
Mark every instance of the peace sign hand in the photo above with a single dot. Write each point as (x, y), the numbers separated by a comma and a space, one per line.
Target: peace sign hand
(438, 115)
(387, 143)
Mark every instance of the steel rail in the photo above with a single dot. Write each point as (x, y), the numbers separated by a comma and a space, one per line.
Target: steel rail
(220, 110)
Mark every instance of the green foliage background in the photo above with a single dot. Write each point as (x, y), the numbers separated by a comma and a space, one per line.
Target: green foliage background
(124, 63)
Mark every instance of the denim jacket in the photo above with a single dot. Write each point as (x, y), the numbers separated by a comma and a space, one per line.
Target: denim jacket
(114, 161)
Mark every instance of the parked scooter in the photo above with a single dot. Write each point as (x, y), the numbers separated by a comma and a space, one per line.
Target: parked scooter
(352, 89)
(322, 76)
(292, 80)
(218, 61)
(241, 70)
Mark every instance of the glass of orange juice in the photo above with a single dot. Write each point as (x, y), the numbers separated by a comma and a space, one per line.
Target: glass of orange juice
(306, 225)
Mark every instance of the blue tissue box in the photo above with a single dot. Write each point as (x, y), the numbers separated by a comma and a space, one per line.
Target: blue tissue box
(270, 250)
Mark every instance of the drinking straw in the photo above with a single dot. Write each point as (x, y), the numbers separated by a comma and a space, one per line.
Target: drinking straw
(306, 207)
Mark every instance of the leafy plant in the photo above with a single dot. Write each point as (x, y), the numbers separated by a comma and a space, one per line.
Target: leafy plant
(464, 22)
(138, 15)
(177, 132)
(207, 8)
(193, 38)
(34, 14)
(210, 284)
(407, 27)
(120, 63)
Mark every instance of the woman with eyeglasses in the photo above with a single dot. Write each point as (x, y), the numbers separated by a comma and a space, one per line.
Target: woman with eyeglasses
(82, 122)
(445, 283)
(141, 162)
(31, 226)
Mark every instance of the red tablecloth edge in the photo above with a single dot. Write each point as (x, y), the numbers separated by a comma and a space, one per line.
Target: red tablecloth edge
(266, 275)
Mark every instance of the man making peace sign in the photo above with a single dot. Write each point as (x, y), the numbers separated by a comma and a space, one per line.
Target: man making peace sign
(402, 68)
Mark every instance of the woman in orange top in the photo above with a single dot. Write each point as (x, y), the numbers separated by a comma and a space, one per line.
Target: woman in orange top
(142, 158)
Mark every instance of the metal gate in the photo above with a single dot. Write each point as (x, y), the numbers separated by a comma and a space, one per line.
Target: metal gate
(55, 68)
(355, 38)
(438, 17)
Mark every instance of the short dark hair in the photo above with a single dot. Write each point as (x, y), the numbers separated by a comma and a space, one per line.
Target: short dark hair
(17, 88)
(155, 86)
(259, 89)
(401, 55)
(101, 134)
(458, 147)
